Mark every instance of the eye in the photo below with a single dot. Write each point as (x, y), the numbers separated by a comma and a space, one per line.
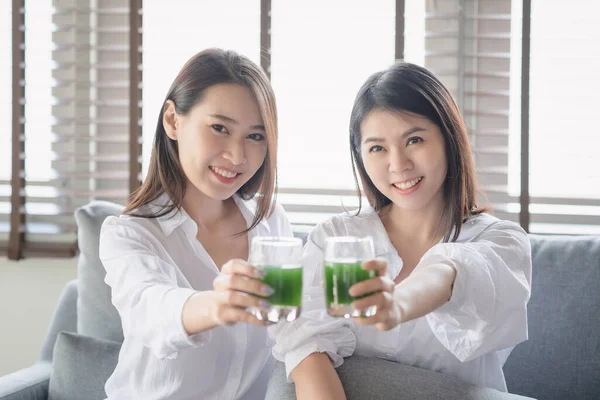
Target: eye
(219, 128)
(257, 137)
(414, 140)
(376, 149)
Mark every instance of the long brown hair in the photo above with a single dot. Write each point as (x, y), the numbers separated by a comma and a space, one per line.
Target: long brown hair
(409, 88)
(165, 174)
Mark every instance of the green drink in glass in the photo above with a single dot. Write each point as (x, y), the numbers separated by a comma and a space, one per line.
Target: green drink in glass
(280, 258)
(342, 269)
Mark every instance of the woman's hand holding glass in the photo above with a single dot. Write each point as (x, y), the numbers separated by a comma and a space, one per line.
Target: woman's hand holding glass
(236, 289)
(379, 292)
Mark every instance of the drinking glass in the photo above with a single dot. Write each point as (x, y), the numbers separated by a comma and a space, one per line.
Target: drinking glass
(342, 264)
(280, 258)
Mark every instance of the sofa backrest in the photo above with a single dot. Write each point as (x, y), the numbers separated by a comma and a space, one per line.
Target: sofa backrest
(561, 359)
(96, 316)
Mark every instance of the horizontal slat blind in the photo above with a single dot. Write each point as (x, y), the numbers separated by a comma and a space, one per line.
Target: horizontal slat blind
(467, 46)
(78, 105)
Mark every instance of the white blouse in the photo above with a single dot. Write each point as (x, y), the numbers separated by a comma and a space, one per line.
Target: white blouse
(153, 266)
(469, 337)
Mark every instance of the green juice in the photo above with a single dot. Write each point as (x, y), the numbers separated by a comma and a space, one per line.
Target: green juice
(339, 277)
(287, 284)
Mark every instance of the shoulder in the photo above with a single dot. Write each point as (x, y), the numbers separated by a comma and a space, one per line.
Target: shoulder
(128, 226)
(483, 226)
(350, 223)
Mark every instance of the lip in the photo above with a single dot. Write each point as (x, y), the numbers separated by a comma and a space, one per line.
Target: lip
(222, 178)
(407, 191)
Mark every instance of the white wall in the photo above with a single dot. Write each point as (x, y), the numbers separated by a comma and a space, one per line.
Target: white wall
(29, 291)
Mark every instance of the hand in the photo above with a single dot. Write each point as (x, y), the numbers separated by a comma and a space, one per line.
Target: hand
(235, 289)
(388, 313)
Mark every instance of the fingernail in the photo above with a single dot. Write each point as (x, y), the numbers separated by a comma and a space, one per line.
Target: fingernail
(264, 304)
(268, 290)
(261, 273)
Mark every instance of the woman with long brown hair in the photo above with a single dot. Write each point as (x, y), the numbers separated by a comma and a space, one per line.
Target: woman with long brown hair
(452, 281)
(174, 258)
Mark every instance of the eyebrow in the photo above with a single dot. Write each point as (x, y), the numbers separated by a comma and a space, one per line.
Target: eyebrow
(233, 121)
(405, 134)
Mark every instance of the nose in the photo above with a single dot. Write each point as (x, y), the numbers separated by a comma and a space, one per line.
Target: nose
(399, 162)
(235, 153)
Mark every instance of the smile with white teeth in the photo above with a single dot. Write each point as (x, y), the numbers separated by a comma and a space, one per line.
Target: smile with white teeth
(224, 173)
(407, 185)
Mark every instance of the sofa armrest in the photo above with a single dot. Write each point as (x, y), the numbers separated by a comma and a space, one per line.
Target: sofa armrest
(377, 379)
(27, 384)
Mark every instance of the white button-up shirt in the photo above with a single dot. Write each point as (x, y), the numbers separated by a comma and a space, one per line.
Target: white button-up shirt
(153, 266)
(469, 337)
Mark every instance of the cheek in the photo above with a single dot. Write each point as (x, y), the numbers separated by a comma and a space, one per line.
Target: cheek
(375, 170)
(257, 153)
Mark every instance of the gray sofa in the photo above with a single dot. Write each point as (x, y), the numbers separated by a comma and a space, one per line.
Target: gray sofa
(561, 360)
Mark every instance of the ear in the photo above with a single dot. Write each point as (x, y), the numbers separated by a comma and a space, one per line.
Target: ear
(169, 119)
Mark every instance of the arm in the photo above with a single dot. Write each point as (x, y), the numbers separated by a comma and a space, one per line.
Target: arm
(428, 287)
(144, 289)
(316, 379)
(474, 294)
(488, 307)
(154, 310)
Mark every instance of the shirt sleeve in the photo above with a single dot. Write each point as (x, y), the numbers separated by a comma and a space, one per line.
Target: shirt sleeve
(144, 289)
(488, 307)
(314, 331)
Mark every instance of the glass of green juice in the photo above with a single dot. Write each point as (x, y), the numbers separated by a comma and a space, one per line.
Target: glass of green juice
(342, 267)
(280, 258)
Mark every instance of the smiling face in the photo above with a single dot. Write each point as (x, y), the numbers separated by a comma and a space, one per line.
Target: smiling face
(221, 141)
(404, 156)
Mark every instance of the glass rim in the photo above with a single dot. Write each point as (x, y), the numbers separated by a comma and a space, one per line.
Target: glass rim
(348, 239)
(277, 240)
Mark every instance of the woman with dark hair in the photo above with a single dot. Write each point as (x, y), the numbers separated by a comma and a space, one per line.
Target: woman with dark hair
(173, 259)
(452, 282)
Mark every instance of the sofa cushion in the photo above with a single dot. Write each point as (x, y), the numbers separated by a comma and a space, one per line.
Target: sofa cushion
(377, 379)
(561, 358)
(96, 316)
(81, 367)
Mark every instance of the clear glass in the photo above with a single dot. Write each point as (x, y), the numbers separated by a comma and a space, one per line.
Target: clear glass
(342, 268)
(280, 258)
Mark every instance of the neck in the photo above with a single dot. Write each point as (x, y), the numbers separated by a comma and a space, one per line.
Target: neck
(421, 225)
(203, 210)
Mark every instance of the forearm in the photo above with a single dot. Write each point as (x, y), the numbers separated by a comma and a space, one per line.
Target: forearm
(196, 313)
(315, 378)
(427, 288)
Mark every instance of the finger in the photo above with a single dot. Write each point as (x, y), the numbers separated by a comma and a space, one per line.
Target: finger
(378, 318)
(380, 283)
(241, 267)
(380, 299)
(378, 265)
(253, 286)
(240, 299)
(384, 326)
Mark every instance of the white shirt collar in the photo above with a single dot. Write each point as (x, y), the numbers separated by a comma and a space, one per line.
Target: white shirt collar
(172, 220)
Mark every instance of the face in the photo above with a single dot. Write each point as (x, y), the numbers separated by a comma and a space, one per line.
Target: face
(404, 155)
(221, 141)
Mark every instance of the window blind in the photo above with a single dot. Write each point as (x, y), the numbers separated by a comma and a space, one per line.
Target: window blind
(468, 46)
(81, 129)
